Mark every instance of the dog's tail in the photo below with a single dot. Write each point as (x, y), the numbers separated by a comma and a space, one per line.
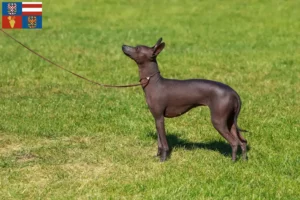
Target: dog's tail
(235, 120)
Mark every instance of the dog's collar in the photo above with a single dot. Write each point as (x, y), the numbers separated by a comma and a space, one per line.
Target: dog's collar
(147, 79)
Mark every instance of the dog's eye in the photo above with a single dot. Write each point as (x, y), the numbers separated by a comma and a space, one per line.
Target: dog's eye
(137, 48)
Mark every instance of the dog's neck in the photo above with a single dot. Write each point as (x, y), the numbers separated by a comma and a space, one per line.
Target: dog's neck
(148, 69)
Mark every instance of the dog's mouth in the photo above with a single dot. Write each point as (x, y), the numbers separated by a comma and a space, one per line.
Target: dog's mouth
(127, 54)
(126, 49)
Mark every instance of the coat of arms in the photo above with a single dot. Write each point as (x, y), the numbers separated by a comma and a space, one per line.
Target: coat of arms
(21, 15)
(12, 21)
(12, 8)
(32, 21)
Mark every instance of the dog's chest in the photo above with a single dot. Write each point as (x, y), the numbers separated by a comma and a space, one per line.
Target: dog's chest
(154, 97)
(151, 99)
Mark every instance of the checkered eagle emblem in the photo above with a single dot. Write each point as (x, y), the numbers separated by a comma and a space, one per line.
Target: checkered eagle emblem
(12, 8)
(32, 21)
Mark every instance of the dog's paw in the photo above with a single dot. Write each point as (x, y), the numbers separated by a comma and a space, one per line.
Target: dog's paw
(164, 156)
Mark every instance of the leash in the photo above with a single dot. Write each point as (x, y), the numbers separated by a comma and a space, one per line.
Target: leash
(141, 82)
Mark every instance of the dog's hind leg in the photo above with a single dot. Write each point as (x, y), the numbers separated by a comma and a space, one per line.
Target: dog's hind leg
(220, 125)
(234, 129)
(242, 142)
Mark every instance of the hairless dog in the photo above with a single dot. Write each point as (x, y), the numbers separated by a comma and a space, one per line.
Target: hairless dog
(172, 98)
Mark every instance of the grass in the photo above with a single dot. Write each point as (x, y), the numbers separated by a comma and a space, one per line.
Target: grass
(63, 138)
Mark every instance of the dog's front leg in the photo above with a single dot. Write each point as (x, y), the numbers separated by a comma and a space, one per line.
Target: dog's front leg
(163, 147)
(159, 146)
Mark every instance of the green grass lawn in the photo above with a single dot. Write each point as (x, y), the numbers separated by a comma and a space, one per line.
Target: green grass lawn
(64, 138)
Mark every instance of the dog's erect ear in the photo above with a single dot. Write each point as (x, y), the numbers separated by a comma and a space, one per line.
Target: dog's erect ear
(157, 43)
(158, 49)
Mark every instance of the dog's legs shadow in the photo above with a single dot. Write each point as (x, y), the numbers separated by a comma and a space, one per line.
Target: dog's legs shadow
(175, 142)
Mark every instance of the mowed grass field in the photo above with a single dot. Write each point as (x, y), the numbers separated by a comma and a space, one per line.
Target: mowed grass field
(64, 138)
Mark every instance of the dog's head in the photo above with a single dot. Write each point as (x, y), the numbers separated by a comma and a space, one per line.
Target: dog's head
(141, 54)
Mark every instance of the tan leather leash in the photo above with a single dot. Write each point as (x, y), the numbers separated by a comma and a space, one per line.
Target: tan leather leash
(141, 83)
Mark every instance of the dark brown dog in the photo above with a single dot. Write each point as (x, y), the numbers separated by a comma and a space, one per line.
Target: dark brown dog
(172, 98)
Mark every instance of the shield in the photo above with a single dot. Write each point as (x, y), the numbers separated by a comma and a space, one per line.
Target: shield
(32, 21)
(12, 8)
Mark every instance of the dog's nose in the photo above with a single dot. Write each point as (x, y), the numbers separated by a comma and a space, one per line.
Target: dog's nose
(124, 47)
